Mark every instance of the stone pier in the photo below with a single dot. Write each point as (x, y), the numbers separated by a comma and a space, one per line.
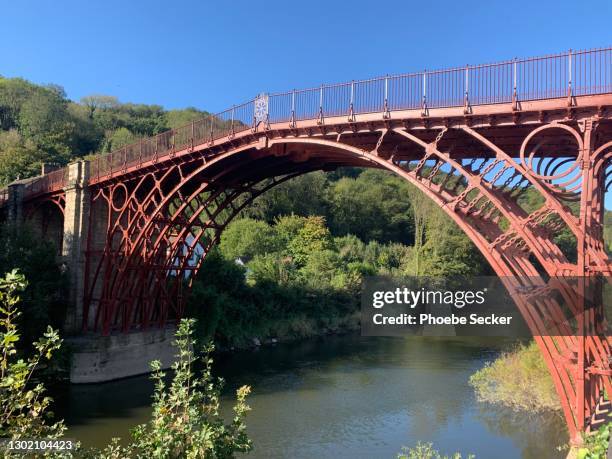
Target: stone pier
(15, 203)
(98, 358)
(74, 244)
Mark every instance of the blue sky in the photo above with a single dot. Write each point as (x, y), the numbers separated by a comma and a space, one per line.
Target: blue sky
(213, 54)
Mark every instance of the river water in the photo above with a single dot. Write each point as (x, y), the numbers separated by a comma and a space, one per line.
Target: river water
(343, 397)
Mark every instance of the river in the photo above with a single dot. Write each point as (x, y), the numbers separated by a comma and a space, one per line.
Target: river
(343, 396)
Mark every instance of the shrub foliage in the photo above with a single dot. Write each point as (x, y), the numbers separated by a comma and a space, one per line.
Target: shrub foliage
(518, 379)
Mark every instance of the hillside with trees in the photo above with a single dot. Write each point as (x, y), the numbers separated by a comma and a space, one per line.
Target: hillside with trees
(39, 124)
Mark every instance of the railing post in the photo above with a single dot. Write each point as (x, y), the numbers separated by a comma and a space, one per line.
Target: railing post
(232, 122)
(466, 100)
(386, 113)
(254, 123)
(192, 134)
(292, 123)
(320, 120)
(211, 130)
(424, 101)
(569, 80)
(351, 116)
(266, 98)
(140, 154)
(514, 90)
(156, 147)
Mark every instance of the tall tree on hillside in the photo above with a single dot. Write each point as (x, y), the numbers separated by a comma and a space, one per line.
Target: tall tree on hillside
(422, 208)
(99, 101)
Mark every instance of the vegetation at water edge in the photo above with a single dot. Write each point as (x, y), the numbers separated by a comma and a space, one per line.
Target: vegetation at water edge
(427, 451)
(596, 445)
(185, 420)
(518, 379)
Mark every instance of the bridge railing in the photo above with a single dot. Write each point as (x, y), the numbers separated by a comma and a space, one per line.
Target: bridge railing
(53, 181)
(592, 71)
(569, 74)
(561, 75)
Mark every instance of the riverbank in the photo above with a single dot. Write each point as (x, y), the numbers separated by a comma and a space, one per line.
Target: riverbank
(296, 329)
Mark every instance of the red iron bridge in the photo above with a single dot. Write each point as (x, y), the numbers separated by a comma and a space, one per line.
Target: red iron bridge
(135, 225)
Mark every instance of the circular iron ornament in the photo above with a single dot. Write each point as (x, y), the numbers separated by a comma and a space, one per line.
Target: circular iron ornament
(550, 171)
(119, 196)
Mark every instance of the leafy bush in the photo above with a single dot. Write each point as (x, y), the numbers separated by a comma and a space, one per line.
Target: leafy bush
(426, 451)
(271, 301)
(517, 379)
(186, 422)
(596, 445)
(24, 407)
(313, 237)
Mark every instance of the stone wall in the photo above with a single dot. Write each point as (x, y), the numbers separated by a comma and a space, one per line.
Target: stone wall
(105, 358)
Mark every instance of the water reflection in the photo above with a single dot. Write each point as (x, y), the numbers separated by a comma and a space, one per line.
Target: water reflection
(536, 433)
(341, 397)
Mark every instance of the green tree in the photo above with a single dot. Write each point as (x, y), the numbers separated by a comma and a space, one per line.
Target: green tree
(304, 196)
(422, 208)
(311, 238)
(19, 158)
(42, 114)
(13, 93)
(47, 132)
(87, 136)
(320, 267)
(373, 206)
(608, 230)
(272, 268)
(394, 258)
(119, 139)
(99, 102)
(350, 248)
(178, 118)
(287, 227)
(447, 251)
(42, 301)
(247, 238)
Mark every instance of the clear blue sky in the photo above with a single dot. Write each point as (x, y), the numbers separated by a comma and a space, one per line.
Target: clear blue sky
(213, 54)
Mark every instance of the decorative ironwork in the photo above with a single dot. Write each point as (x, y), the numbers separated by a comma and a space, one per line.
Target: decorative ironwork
(261, 108)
